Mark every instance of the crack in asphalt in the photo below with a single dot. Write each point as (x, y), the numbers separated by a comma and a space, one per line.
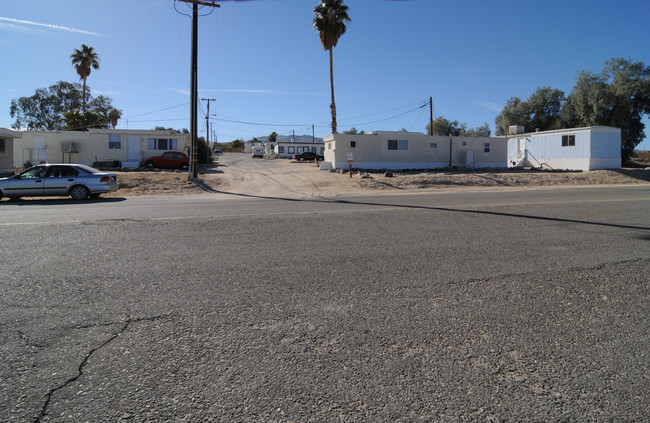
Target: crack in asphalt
(28, 341)
(80, 369)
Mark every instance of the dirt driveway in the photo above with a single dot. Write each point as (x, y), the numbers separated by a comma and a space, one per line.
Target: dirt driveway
(241, 174)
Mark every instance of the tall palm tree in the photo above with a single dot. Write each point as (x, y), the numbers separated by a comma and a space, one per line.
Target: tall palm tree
(329, 21)
(83, 61)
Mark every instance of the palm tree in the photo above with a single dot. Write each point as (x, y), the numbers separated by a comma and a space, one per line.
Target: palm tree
(83, 61)
(330, 19)
(113, 116)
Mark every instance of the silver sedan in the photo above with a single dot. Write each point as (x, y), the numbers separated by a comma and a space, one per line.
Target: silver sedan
(76, 180)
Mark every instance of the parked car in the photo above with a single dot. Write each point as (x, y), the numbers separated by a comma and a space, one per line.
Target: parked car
(307, 155)
(169, 160)
(76, 180)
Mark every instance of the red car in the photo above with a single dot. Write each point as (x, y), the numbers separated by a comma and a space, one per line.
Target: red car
(169, 160)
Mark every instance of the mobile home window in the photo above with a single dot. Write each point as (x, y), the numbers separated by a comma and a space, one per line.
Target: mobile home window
(486, 147)
(114, 141)
(162, 144)
(329, 145)
(433, 145)
(322, 150)
(291, 150)
(281, 149)
(398, 144)
(568, 140)
(3, 147)
(353, 144)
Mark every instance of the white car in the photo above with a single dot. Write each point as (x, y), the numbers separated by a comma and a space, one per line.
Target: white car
(76, 180)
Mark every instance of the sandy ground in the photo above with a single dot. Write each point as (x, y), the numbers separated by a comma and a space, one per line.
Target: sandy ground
(237, 173)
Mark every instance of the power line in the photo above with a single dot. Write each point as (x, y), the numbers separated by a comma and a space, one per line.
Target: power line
(157, 111)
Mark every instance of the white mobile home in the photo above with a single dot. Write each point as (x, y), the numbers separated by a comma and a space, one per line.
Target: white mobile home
(124, 147)
(286, 150)
(7, 138)
(596, 147)
(412, 150)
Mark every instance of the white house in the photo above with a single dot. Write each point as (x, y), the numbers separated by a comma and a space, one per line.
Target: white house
(412, 150)
(123, 147)
(7, 138)
(595, 147)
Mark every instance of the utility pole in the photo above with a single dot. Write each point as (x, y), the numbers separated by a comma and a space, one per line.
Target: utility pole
(207, 122)
(194, 171)
(431, 115)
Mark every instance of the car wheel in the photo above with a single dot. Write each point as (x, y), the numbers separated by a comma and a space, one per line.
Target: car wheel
(79, 192)
(149, 165)
(0, 195)
(185, 166)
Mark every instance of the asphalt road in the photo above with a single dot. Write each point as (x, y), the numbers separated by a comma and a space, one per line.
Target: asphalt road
(470, 305)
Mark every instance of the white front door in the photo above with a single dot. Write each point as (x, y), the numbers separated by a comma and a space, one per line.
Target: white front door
(40, 155)
(133, 148)
(521, 152)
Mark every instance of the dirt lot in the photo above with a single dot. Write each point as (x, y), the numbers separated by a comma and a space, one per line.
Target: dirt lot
(238, 173)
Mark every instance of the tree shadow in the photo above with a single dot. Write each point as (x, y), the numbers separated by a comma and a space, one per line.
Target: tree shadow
(642, 174)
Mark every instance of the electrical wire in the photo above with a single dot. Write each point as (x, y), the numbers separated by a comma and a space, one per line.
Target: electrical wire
(420, 103)
(199, 8)
(157, 111)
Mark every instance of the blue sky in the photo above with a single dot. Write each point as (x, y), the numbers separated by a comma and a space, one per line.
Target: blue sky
(264, 64)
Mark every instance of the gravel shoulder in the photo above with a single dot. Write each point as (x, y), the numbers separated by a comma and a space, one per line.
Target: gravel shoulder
(238, 173)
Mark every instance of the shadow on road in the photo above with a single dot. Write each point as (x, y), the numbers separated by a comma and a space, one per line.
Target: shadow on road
(207, 188)
(61, 201)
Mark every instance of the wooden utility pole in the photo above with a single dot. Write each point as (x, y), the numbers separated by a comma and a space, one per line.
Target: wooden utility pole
(194, 171)
(207, 122)
(431, 116)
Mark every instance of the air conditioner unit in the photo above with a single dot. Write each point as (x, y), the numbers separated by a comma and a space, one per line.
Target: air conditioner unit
(515, 129)
(69, 147)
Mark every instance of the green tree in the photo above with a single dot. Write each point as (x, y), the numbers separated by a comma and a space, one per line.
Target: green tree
(515, 112)
(618, 97)
(84, 61)
(237, 144)
(351, 131)
(273, 137)
(113, 116)
(183, 131)
(542, 110)
(443, 126)
(44, 111)
(329, 21)
(204, 153)
(77, 121)
(479, 131)
(545, 108)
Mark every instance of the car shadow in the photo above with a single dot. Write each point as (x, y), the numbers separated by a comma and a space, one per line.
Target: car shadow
(60, 201)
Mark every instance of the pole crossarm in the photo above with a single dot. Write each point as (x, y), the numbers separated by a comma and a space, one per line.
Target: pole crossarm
(202, 3)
